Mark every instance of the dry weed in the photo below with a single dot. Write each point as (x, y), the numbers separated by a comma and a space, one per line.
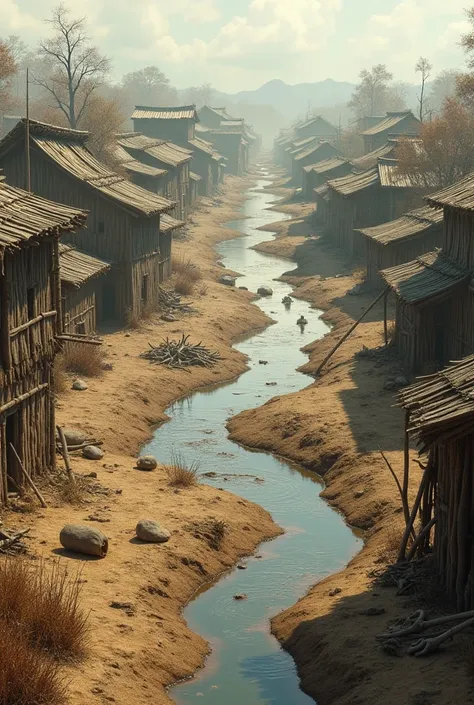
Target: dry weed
(185, 267)
(180, 474)
(61, 381)
(42, 602)
(132, 319)
(27, 675)
(71, 492)
(184, 286)
(83, 359)
(390, 544)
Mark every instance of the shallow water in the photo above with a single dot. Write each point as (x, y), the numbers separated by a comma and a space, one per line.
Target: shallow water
(247, 664)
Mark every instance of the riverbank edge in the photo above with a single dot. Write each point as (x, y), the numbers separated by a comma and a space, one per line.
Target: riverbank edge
(248, 525)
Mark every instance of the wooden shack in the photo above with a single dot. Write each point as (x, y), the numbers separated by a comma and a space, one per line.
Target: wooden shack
(317, 126)
(152, 178)
(312, 153)
(168, 226)
(428, 292)
(124, 220)
(401, 240)
(194, 180)
(321, 212)
(30, 310)
(394, 124)
(172, 160)
(80, 289)
(315, 175)
(440, 412)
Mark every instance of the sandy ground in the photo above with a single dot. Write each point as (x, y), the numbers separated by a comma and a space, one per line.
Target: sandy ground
(336, 427)
(145, 645)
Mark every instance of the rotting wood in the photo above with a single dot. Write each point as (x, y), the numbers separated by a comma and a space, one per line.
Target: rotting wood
(65, 455)
(74, 338)
(351, 329)
(28, 478)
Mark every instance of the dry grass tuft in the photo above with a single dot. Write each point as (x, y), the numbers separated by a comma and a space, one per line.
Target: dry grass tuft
(85, 360)
(390, 545)
(132, 320)
(188, 275)
(180, 474)
(61, 381)
(217, 531)
(184, 286)
(72, 492)
(27, 676)
(42, 603)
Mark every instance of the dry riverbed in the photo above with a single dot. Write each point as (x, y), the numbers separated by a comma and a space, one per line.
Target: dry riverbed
(142, 644)
(336, 426)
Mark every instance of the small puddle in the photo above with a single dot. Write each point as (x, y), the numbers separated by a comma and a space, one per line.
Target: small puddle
(247, 664)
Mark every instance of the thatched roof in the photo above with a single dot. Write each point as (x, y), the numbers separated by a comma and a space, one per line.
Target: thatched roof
(68, 150)
(24, 216)
(327, 165)
(164, 151)
(181, 112)
(418, 222)
(77, 266)
(194, 177)
(206, 148)
(168, 223)
(460, 195)
(370, 160)
(388, 123)
(441, 406)
(428, 277)
(312, 148)
(391, 176)
(315, 121)
(355, 183)
(134, 166)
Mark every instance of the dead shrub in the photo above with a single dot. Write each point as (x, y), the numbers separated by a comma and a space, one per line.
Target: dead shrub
(184, 286)
(132, 319)
(27, 676)
(180, 474)
(42, 602)
(217, 530)
(61, 381)
(71, 492)
(148, 310)
(390, 544)
(184, 267)
(83, 359)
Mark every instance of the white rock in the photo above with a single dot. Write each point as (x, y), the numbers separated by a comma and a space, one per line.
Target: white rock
(79, 385)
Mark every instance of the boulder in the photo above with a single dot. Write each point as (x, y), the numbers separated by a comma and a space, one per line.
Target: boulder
(92, 453)
(74, 437)
(227, 280)
(265, 291)
(151, 532)
(147, 462)
(84, 539)
(79, 385)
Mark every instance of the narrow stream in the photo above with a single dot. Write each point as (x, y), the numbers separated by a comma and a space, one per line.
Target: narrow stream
(247, 664)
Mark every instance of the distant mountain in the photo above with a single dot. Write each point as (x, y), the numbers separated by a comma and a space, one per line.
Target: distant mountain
(292, 100)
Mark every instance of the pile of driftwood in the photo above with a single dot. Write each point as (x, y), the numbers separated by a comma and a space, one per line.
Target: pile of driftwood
(169, 302)
(181, 354)
(11, 543)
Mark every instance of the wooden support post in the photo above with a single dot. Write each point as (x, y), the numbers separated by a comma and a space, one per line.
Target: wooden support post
(57, 287)
(406, 460)
(351, 329)
(28, 478)
(385, 325)
(409, 527)
(4, 321)
(65, 455)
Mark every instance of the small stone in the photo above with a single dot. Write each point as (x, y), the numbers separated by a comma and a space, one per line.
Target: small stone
(241, 596)
(336, 591)
(92, 474)
(92, 453)
(107, 366)
(359, 494)
(147, 462)
(265, 291)
(263, 362)
(271, 384)
(227, 280)
(97, 691)
(74, 437)
(168, 317)
(244, 288)
(127, 335)
(151, 532)
(79, 385)
(242, 566)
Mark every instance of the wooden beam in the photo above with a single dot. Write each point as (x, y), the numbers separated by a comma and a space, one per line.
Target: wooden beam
(18, 400)
(28, 478)
(32, 322)
(76, 338)
(4, 323)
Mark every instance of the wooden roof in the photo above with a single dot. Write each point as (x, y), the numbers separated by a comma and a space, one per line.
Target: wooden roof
(164, 151)
(168, 223)
(391, 176)
(77, 266)
(313, 121)
(412, 224)
(430, 276)
(133, 165)
(24, 216)
(205, 147)
(327, 165)
(181, 112)
(370, 160)
(311, 149)
(388, 123)
(194, 177)
(355, 183)
(441, 406)
(460, 195)
(67, 149)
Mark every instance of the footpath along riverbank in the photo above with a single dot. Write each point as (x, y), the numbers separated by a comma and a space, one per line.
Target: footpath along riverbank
(143, 645)
(336, 426)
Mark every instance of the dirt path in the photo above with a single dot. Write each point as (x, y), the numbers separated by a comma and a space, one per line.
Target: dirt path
(138, 649)
(336, 427)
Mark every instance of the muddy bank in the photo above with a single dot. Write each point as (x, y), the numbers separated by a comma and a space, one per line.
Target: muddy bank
(142, 644)
(335, 427)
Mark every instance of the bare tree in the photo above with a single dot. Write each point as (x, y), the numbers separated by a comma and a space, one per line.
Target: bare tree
(76, 67)
(371, 94)
(7, 71)
(424, 68)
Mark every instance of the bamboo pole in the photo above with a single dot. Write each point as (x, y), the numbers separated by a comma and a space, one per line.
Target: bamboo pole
(65, 455)
(351, 329)
(28, 479)
(22, 397)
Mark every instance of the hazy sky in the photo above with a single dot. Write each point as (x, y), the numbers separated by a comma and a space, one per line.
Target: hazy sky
(240, 44)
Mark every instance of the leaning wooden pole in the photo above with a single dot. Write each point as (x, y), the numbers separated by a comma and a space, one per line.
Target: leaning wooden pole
(351, 330)
(28, 478)
(385, 322)
(65, 455)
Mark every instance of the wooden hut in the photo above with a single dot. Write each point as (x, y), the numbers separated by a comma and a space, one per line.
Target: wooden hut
(428, 291)
(401, 240)
(440, 412)
(315, 175)
(152, 178)
(312, 153)
(394, 124)
(168, 226)
(318, 127)
(30, 310)
(167, 157)
(371, 160)
(124, 220)
(194, 180)
(321, 213)
(80, 289)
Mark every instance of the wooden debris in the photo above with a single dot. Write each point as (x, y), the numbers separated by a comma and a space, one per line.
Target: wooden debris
(169, 301)
(181, 354)
(28, 478)
(11, 544)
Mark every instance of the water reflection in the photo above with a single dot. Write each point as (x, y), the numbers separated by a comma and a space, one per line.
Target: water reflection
(247, 665)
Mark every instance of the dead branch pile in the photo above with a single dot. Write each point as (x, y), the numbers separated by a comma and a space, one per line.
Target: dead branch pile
(170, 302)
(181, 354)
(11, 543)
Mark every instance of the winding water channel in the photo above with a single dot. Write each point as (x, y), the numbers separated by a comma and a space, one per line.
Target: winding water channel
(247, 664)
